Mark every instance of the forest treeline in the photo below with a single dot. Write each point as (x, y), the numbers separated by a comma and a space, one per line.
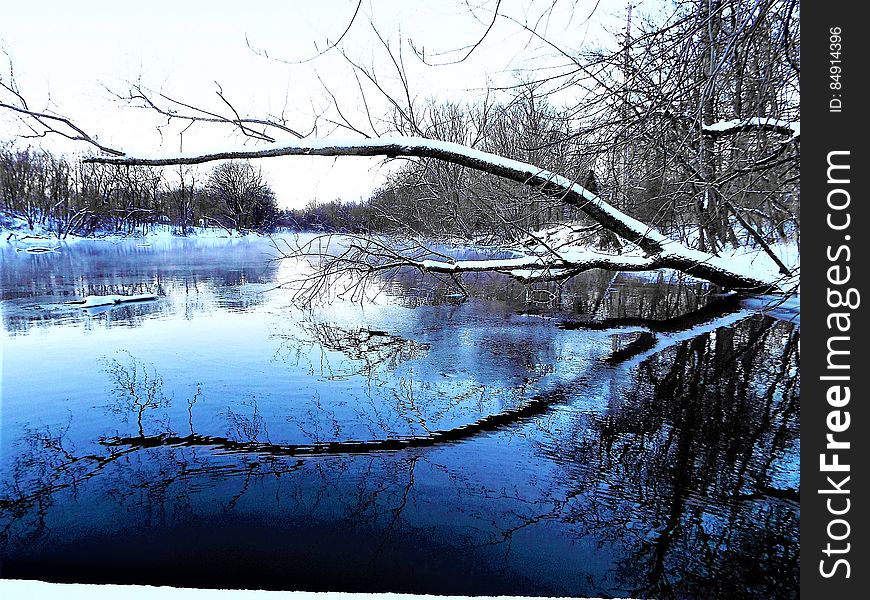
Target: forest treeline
(689, 124)
(420, 196)
(68, 196)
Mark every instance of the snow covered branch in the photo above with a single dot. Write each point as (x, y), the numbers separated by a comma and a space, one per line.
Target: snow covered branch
(658, 251)
(733, 126)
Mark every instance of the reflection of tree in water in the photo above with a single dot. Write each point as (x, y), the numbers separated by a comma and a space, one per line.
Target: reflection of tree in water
(48, 469)
(368, 350)
(686, 475)
(414, 401)
(705, 426)
(137, 390)
(595, 293)
(43, 466)
(165, 487)
(666, 296)
(140, 468)
(242, 427)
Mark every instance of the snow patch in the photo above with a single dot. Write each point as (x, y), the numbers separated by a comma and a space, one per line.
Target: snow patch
(91, 301)
(755, 122)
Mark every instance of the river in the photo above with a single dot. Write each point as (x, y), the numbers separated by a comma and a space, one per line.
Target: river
(410, 441)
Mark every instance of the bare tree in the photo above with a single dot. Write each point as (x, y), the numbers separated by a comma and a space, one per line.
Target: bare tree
(242, 197)
(704, 109)
(181, 200)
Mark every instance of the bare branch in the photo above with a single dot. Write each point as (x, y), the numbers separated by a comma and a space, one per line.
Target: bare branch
(170, 109)
(51, 122)
(421, 54)
(329, 47)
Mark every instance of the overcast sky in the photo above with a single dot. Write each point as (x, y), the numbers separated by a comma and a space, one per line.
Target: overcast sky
(71, 56)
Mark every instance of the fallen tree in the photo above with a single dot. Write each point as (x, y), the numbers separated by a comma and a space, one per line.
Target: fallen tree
(647, 248)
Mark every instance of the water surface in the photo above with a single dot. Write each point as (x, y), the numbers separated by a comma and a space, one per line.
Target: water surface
(416, 441)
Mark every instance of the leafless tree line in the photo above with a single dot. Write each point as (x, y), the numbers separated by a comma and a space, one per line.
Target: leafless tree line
(67, 196)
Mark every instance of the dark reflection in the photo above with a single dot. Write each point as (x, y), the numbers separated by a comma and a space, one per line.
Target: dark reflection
(246, 432)
(716, 306)
(703, 449)
(595, 294)
(685, 487)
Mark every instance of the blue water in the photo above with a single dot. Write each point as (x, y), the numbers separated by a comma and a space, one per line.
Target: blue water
(186, 441)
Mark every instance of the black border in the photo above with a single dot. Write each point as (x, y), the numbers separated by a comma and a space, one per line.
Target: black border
(824, 131)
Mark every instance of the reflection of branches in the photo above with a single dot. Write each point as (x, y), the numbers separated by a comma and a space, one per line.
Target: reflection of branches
(693, 447)
(348, 265)
(157, 484)
(408, 405)
(671, 487)
(657, 335)
(719, 307)
(642, 344)
(136, 390)
(398, 510)
(191, 403)
(241, 427)
(675, 479)
(369, 348)
(48, 464)
(317, 415)
(486, 424)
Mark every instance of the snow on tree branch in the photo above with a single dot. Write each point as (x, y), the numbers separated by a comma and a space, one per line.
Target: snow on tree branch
(723, 128)
(659, 251)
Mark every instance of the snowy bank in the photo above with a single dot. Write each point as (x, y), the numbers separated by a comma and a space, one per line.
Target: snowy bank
(15, 231)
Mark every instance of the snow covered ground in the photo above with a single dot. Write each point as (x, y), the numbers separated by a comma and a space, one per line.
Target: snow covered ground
(14, 230)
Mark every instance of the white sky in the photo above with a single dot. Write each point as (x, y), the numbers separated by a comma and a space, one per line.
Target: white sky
(65, 54)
